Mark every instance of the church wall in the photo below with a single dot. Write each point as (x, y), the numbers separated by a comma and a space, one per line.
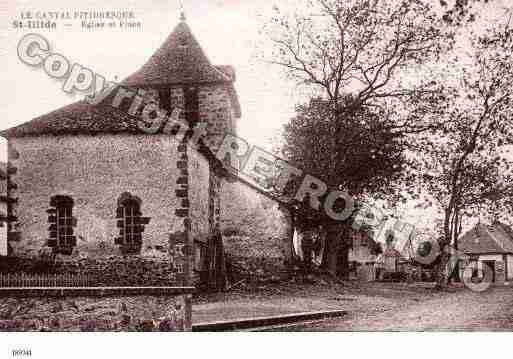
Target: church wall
(199, 195)
(95, 171)
(199, 212)
(215, 108)
(182, 203)
(255, 230)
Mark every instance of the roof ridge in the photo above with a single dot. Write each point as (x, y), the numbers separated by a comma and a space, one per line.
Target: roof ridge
(507, 231)
(500, 232)
(487, 242)
(492, 236)
(180, 59)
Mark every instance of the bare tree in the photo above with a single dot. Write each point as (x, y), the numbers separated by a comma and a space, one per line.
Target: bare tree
(467, 167)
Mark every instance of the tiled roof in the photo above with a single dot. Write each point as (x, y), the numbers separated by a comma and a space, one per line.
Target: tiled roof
(487, 239)
(179, 60)
(391, 252)
(3, 178)
(77, 118)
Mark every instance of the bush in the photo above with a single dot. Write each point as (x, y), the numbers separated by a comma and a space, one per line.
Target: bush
(44, 263)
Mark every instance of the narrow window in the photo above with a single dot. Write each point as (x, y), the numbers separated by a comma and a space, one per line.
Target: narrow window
(130, 223)
(200, 254)
(61, 222)
(191, 105)
(165, 99)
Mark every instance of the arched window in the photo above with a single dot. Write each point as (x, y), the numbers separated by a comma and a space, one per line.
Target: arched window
(130, 224)
(61, 222)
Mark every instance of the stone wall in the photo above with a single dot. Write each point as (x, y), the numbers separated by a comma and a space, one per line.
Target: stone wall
(80, 313)
(254, 230)
(3, 208)
(94, 171)
(199, 173)
(171, 181)
(216, 110)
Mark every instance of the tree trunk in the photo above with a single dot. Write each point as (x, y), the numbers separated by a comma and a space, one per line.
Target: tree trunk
(336, 253)
(307, 248)
(288, 240)
(442, 277)
(330, 256)
(455, 275)
(343, 260)
(343, 253)
(220, 263)
(305, 244)
(448, 267)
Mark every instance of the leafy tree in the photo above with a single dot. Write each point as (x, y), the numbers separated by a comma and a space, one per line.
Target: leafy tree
(370, 157)
(358, 56)
(370, 160)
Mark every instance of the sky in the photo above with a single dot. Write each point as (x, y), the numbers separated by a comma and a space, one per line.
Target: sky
(228, 31)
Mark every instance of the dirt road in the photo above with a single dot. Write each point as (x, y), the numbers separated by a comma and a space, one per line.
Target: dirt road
(461, 310)
(371, 306)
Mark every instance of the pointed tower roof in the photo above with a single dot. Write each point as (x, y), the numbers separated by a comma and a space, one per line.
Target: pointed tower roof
(179, 60)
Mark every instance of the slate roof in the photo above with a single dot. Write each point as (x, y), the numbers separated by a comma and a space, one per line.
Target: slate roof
(180, 60)
(484, 239)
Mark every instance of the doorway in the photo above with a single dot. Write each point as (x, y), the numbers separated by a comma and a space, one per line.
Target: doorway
(489, 267)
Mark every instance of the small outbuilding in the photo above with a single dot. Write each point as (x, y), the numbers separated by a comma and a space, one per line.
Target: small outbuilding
(490, 248)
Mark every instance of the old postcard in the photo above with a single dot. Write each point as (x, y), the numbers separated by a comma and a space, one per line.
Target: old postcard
(224, 165)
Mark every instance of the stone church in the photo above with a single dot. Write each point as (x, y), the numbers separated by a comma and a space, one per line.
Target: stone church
(105, 198)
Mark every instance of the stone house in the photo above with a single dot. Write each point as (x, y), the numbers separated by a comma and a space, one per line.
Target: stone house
(389, 263)
(109, 200)
(363, 253)
(489, 247)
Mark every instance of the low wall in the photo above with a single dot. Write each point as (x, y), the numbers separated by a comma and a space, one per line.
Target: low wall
(257, 257)
(254, 230)
(95, 309)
